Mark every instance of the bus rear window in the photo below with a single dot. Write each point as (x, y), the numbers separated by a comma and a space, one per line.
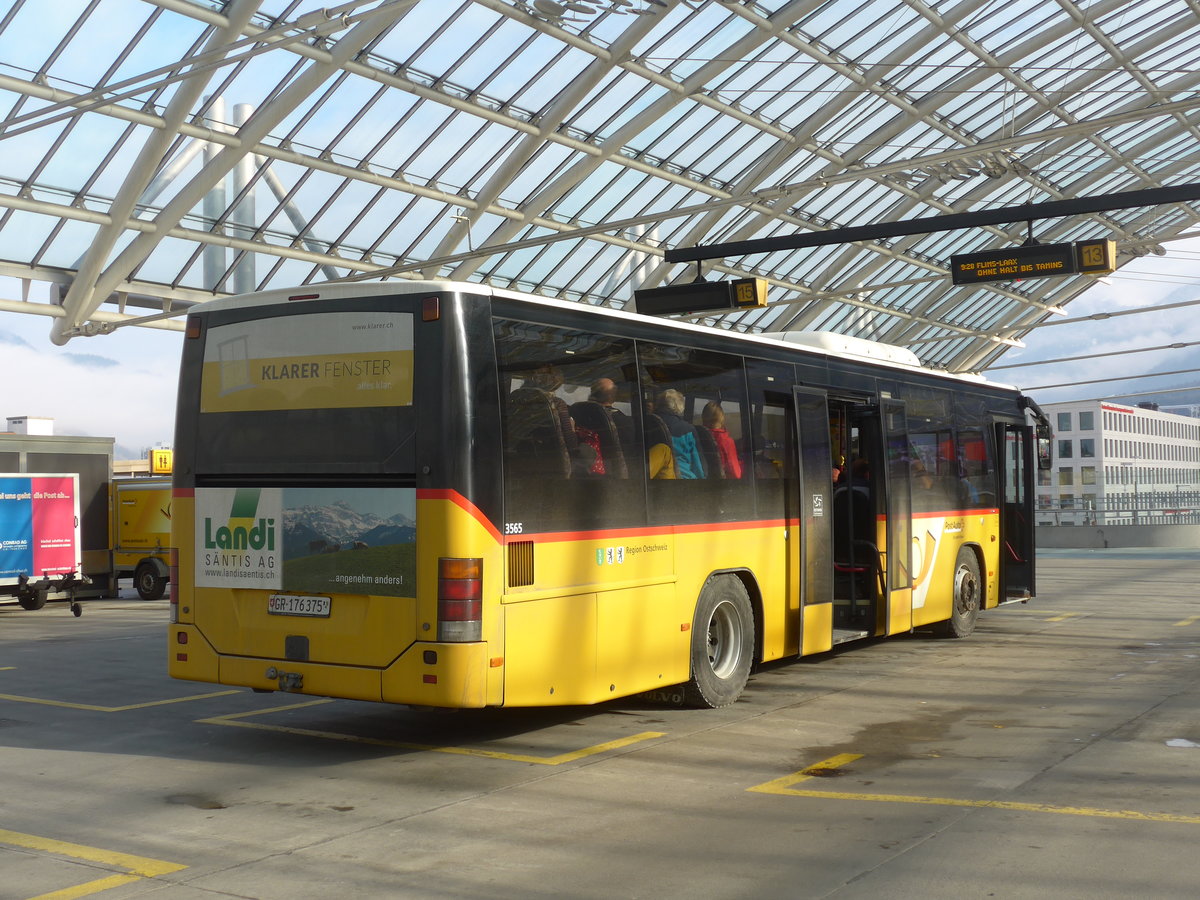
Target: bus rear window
(328, 392)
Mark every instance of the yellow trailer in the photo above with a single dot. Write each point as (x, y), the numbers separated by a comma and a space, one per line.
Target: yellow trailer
(141, 533)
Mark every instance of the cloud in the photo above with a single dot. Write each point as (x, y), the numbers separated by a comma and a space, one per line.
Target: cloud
(126, 392)
(92, 361)
(7, 337)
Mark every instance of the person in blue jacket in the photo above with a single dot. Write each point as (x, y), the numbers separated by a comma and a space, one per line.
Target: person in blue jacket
(688, 463)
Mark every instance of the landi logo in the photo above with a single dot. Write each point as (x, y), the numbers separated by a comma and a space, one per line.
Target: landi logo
(244, 529)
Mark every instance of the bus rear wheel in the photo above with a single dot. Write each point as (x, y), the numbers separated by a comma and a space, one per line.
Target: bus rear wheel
(967, 596)
(722, 643)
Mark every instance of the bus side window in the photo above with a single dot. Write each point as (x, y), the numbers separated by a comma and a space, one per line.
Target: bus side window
(693, 402)
(770, 436)
(564, 464)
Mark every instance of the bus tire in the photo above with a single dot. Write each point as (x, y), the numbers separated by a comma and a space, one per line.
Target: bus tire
(722, 644)
(150, 585)
(966, 598)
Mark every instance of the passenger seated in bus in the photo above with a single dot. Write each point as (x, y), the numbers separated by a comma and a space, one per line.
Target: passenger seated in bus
(604, 392)
(548, 380)
(596, 431)
(713, 419)
(688, 463)
(533, 436)
(661, 461)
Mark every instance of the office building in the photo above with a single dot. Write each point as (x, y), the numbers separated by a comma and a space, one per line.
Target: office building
(1120, 465)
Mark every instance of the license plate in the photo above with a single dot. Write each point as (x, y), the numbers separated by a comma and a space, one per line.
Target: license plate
(298, 605)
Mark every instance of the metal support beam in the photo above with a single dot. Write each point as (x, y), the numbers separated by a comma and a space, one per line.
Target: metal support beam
(79, 307)
(1181, 193)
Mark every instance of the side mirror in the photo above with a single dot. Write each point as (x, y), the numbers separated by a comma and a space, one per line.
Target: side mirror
(1043, 446)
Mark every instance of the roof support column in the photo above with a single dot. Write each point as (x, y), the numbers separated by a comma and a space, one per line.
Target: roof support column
(248, 137)
(85, 294)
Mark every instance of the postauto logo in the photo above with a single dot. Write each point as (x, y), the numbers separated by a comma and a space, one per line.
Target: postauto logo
(244, 529)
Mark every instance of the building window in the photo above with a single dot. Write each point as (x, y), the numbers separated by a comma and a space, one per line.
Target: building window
(1087, 474)
(1087, 421)
(1044, 478)
(1087, 448)
(1066, 449)
(1066, 476)
(1064, 421)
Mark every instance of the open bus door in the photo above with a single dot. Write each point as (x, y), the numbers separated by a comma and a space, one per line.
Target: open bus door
(1016, 511)
(816, 491)
(898, 510)
(872, 520)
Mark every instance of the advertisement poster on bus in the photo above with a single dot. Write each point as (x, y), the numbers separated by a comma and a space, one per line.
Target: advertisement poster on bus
(307, 540)
(321, 361)
(39, 526)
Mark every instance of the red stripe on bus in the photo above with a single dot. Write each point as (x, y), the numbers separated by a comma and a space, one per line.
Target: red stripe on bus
(183, 492)
(940, 513)
(462, 503)
(652, 531)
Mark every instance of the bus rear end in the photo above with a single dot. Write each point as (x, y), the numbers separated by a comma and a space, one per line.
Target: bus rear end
(323, 439)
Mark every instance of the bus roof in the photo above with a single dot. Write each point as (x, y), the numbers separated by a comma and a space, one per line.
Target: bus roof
(825, 343)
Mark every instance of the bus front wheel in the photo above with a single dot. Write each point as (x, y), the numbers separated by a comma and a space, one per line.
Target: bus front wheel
(967, 596)
(722, 643)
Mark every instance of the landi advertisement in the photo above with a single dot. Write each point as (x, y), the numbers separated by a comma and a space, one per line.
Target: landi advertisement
(307, 540)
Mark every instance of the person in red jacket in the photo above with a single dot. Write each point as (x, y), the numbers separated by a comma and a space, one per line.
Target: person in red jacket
(713, 418)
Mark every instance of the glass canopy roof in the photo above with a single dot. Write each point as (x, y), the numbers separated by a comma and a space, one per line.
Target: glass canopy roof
(157, 153)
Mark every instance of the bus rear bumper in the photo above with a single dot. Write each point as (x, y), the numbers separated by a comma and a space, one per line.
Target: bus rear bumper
(427, 674)
(439, 674)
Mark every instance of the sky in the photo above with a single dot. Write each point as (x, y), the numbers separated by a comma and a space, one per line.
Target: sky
(1139, 285)
(122, 385)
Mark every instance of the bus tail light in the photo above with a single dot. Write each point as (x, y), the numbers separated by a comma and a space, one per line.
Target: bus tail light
(460, 599)
(173, 575)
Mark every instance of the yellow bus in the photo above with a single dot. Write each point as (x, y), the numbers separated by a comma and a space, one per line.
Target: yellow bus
(443, 494)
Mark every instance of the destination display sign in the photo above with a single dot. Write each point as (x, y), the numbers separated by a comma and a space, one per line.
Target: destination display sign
(1036, 261)
(1013, 263)
(702, 296)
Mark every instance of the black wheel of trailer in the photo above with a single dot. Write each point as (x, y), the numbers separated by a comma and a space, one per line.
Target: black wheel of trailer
(722, 643)
(150, 585)
(968, 596)
(33, 598)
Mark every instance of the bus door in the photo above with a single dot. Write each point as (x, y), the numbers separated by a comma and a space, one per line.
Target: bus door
(1016, 511)
(898, 513)
(816, 492)
(859, 520)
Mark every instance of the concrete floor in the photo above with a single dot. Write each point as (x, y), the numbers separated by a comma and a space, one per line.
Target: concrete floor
(1056, 752)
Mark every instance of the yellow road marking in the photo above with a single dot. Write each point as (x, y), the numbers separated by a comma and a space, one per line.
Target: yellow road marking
(92, 708)
(137, 867)
(1063, 617)
(1190, 620)
(88, 888)
(234, 719)
(783, 786)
